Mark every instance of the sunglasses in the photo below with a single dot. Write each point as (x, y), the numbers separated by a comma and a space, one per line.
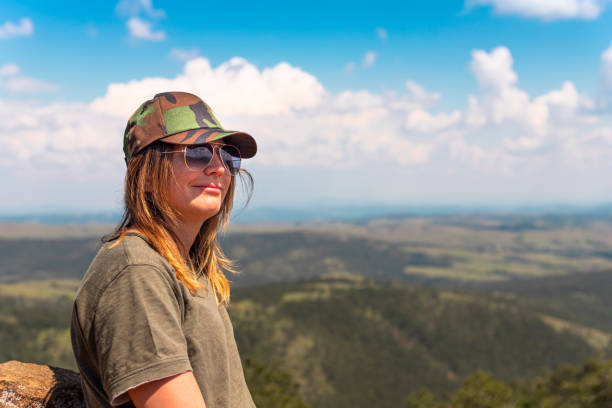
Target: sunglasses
(198, 157)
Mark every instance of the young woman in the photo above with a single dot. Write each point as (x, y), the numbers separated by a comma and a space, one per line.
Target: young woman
(149, 325)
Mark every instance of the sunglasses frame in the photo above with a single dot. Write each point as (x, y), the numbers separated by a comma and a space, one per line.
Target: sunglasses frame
(215, 149)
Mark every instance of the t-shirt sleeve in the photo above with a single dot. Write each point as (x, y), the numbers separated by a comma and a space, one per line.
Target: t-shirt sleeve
(137, 329)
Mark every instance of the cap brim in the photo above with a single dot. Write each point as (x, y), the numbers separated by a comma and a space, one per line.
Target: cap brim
(243, 141)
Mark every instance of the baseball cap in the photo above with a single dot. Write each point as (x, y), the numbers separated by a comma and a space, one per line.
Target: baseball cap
(180, 118)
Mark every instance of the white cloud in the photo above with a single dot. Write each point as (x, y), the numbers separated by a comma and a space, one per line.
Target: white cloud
(234, 87)
(369, 58)
(12, 80)
(143, 30)
(592, 147)
(9, 69)
(544, 9)
(130, 8)
(296, 121)
(424, 122)
(476, 156)
(501, 101)
(342, 129)
(299, 125)
(567, 106)
(350, 100)
(522, 144)
(66, 134)
(493, 71)
(417, 96)
(601, 135)
(27, 85)
(9, 29)
(184, 55)
(382, 34)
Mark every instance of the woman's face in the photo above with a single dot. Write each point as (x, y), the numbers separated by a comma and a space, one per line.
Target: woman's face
(198, 195)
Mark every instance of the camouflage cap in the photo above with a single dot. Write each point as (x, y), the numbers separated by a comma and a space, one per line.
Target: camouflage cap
(180, 118)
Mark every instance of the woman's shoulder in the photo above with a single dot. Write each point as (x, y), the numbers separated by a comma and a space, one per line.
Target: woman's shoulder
(123, 270)
(116, 256)
(133, 248)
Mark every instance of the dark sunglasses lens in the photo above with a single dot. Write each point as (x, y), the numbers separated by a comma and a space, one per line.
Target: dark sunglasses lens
(198, 157)
(231, 157)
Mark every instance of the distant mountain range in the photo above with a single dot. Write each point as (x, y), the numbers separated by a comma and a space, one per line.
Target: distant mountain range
(323, 213)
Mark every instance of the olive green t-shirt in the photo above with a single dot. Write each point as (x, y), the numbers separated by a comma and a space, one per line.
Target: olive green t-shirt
(133, 322)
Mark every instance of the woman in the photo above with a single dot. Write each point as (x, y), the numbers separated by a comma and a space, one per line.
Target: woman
(149, 325)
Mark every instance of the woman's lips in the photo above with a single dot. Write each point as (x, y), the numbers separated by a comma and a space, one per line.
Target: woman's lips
(210, 188)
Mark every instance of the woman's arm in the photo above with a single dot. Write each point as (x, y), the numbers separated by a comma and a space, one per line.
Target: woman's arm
(179, 390)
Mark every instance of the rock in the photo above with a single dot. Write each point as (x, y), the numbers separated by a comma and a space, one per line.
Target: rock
(37, 386)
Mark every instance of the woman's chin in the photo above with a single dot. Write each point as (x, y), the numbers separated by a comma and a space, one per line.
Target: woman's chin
(206, 207)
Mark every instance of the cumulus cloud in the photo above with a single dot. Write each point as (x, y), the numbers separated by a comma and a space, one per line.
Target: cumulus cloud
(594, 147)
(369, 58)
(28, 85)
(130, 8)
(9, 29)
(425, 122)
(544, 9)
(65, 134)
(298, 123)
(234, 87)
(417, 96)
(12, 80)
(9, 69)
(184, 55)
(568, 106)
(502, 103)
(382, 34)
(143, 30)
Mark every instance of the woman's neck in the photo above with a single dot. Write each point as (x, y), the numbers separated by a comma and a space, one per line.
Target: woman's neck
(186, 233)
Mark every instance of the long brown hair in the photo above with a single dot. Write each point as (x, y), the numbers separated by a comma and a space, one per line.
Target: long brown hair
(147, 210)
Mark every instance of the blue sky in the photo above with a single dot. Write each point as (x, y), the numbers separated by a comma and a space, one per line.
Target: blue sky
(441, 102)
(429, 42)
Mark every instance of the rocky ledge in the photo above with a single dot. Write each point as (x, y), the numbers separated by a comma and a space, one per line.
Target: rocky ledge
(36, 386)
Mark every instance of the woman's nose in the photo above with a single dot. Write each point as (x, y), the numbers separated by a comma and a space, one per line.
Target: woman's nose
(216, 164)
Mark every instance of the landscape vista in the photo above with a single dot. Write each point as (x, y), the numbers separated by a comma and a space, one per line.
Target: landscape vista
(431, 224)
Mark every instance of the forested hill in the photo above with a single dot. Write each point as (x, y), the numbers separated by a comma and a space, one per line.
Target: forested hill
(348, 341)
(352, 342)
(584, 298)
(305, 301)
